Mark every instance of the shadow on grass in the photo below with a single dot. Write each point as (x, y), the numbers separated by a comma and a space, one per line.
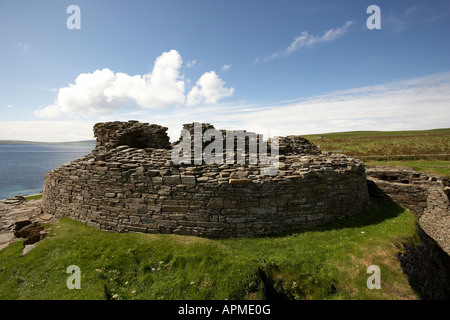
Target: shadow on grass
(380, 209)
(427, 267)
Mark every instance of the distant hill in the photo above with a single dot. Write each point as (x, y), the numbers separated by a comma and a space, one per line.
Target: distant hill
(362, 134)
(388, 145)
(72, 143)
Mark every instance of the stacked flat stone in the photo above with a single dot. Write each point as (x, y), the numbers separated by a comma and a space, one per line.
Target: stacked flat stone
(133, 189)
(190, 127)
(132, 133)
(425, 195)
(297, 145)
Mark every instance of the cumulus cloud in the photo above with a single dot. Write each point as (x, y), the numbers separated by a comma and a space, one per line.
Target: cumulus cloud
(308, 40)
(103, 91)
(208, 90)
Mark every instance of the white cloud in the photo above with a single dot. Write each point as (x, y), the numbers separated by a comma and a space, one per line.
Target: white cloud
(307, 40)
(192, 63)
(10, 106)
(87, 96)
(22, 46)
(226, 67)
(209, 89)
(103, 92)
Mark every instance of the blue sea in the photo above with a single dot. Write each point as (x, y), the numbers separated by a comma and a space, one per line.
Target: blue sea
(23, 167)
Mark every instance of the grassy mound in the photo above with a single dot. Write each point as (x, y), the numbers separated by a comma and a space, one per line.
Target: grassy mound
(329, 262)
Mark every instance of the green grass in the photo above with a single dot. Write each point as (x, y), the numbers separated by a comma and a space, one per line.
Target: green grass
(328, 262)
(33, 197)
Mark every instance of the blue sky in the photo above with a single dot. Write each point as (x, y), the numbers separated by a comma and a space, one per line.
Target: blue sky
(294, 67)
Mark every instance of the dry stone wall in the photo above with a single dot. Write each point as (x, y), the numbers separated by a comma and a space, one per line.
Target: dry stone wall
(139, 189)
(132, 133)
(425, 195)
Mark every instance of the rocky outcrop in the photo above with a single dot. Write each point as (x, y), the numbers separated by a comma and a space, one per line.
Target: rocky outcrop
(22, 221)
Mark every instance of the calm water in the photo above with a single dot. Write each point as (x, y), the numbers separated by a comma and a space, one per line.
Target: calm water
(23, 167)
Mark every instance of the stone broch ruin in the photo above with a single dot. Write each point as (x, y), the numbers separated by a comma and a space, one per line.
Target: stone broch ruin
(129, 183)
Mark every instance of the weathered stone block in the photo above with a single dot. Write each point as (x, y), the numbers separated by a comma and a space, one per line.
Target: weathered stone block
(157, 180)
(188, 180)
(215, 203)
(229, 204)
(172, 180)
(174, 208)
(239, 181)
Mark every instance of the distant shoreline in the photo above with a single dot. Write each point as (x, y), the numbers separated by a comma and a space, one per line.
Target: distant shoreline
(36, 196)
(71, 143)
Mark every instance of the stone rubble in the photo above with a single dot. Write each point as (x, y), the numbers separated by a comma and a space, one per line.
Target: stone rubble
(22, 220)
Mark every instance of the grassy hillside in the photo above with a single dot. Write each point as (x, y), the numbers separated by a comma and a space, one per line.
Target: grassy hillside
(360, 134)
(329, 262)
(388, 145)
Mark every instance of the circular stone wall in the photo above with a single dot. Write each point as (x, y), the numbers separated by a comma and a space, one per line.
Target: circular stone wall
(127, 189)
